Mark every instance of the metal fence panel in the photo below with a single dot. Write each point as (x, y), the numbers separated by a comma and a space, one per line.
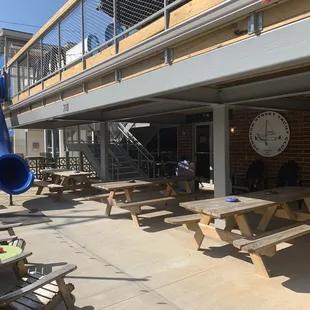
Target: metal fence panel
(35, 74)
(97, 25)
(51, 52)
(71, 37)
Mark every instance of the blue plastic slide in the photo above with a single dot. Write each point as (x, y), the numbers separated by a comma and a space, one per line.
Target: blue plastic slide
(15, 175)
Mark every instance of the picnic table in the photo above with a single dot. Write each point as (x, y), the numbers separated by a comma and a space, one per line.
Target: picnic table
(9, 251)
(167, 187)
(60, 180)
(271, 203)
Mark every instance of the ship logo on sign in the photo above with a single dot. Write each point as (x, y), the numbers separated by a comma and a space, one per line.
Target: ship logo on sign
(269, 134)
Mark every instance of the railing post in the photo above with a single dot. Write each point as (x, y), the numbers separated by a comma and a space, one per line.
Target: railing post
(28, 73)
(83, 33)
(115, 26)
(59, 50)
(42, 65)
(18, 77)
(166, 14)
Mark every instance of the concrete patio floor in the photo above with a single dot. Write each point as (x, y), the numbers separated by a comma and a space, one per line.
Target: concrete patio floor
(121, 266)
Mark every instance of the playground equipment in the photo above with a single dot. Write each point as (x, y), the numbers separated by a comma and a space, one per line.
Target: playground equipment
(15, 175)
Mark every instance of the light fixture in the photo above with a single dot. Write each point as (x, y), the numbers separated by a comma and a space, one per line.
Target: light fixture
(232, 130)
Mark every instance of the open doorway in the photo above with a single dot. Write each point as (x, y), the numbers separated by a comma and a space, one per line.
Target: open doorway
(204, 152)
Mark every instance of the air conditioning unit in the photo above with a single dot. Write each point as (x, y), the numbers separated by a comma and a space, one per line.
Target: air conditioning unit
(74, 53)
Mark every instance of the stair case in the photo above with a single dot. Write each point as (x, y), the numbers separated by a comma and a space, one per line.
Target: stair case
(128, 159)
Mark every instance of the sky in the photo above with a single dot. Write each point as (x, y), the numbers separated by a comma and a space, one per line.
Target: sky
(28, 12)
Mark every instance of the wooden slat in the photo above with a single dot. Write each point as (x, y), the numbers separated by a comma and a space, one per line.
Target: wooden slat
(136, 191)
(49, 287)
(19, 306)
(272, 238)
(219, 208)
(31, 304)
(183, 219)
(149, 202)
(39, 291)
(38, 298)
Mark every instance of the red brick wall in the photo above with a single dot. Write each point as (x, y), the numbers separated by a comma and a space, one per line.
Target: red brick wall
(242, 153)
(185, 141)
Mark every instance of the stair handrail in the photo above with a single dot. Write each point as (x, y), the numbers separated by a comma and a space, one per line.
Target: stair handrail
(142, 151)
(134, 141)
(115, 161)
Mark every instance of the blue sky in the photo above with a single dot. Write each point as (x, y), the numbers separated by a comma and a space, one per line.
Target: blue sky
(32, 12)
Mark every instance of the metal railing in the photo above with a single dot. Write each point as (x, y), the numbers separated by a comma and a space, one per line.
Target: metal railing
(144, 160)
(88, 28)
(113, 160)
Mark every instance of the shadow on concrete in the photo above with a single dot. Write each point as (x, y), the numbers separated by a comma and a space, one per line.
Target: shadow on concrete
(109, 278)
(226, 250)
(48, 203)
(293, 263)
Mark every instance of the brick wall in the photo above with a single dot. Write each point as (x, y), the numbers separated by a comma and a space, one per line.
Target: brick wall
(185, 141)
(242, 153)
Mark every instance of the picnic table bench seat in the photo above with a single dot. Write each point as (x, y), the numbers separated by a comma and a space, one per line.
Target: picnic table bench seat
(135, 206)
(257, 245)
(183, 219)
(9, 228)
(149, 202)
(51, 186)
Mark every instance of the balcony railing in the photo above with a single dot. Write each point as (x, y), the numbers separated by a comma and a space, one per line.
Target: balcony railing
(77, 40)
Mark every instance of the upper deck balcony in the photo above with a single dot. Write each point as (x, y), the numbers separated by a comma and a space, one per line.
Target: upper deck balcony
(93, 44)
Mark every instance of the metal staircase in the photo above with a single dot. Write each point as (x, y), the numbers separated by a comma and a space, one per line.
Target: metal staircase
(128, 158)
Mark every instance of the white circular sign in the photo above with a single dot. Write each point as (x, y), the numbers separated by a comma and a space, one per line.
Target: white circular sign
(269, 134)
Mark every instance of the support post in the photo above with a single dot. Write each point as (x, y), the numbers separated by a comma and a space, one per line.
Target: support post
(221, 155)
(83, 32)
(104, 151)
(115, 26)
(62, 146)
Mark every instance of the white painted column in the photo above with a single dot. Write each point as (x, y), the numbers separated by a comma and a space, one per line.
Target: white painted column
(221, 155)
(104, 151)
(44, 141)
(62, 146)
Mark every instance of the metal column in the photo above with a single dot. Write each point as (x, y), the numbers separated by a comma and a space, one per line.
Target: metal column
(104, 151)
(221, 155)
(221, 151)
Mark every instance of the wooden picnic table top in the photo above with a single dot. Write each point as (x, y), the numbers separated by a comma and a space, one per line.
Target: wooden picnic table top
(219, 208)
(65, 172)
(52, 171)
(109, 186)
(72, 174)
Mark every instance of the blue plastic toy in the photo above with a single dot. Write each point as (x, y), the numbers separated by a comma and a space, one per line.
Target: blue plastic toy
(232, 199)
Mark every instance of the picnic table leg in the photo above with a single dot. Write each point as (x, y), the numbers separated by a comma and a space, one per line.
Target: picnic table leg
(110, 202)
(169, 191)
(288, 211)
(188, 187)
(230, 224)
(267, 216)
(134, 215)
(256, 258)
(40, 188)
(307, 202)
(199, 236)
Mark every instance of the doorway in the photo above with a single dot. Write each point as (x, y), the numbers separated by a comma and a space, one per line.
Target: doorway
(204, 152)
